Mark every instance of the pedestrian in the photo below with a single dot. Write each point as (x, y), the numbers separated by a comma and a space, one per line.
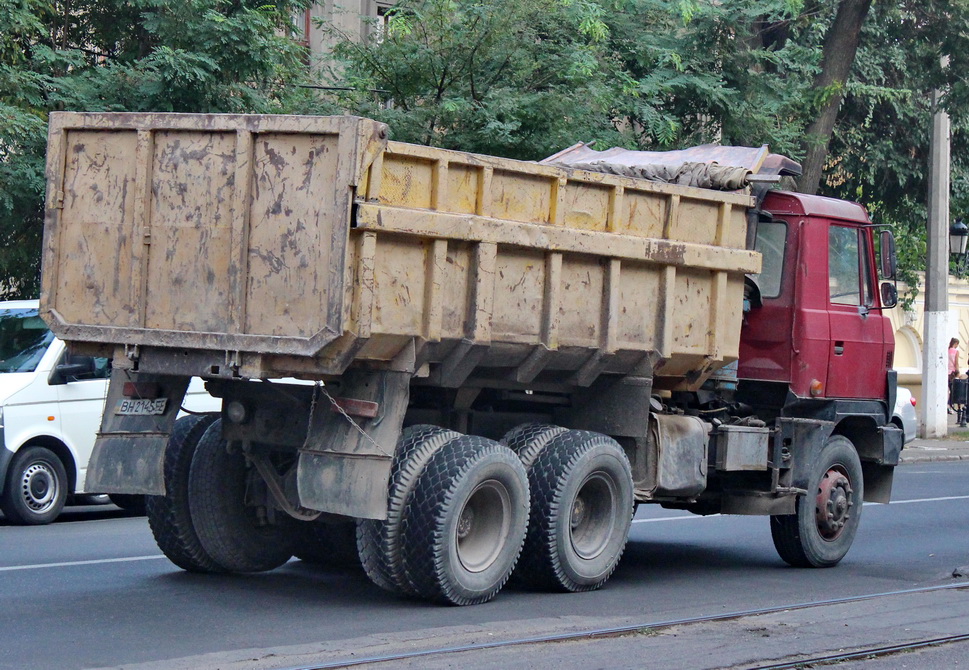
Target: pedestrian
(953, 367)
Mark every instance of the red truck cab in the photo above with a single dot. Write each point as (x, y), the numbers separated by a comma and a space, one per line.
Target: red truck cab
(820, 326)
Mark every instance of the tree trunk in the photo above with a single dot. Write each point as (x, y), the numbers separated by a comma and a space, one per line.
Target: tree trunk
(840, 46)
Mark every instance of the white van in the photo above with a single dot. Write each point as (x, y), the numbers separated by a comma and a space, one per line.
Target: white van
(50, 412)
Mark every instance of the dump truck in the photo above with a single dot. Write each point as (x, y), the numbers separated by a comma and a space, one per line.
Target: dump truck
(458, 368)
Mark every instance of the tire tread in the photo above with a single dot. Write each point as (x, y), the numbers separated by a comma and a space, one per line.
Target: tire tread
(425, 549)
(541, 566)
(168, 516)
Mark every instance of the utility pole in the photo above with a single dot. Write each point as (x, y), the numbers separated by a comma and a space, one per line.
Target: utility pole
(935, 334)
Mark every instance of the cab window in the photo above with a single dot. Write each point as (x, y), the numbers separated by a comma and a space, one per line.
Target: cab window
(844, 266)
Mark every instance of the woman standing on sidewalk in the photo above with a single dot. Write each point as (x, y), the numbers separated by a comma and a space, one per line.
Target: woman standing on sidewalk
(953, 367)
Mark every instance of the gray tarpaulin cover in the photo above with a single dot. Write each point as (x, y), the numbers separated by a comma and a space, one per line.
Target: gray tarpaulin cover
(707, 166)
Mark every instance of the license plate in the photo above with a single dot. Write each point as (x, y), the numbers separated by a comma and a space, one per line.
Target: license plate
(141, 407)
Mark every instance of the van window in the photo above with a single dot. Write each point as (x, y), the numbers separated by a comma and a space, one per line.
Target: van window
(24, 338)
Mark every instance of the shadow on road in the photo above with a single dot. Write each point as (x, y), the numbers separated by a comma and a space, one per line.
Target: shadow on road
(84, 513)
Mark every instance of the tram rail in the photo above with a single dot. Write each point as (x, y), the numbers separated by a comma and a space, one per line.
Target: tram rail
(659, 625)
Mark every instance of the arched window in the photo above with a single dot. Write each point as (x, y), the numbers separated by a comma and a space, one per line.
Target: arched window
(908, 351)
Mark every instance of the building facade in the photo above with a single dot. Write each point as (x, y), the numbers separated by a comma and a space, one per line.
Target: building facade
(909, 326)
(356, 19)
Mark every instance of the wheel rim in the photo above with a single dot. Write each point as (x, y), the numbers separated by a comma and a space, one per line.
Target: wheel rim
(39, 487)
(483, 526)
(834, 502)
(593, 516)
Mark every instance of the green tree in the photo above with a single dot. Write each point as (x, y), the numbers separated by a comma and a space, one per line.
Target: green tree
(115, 55)
(838, 57)
(880, 147)
(519, 79)
(733, 72)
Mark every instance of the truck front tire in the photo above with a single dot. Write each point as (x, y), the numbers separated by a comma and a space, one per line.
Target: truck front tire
(229, 530)
(821, 531)
(36, 487)
(465, 523)
(581, 512)
(168, 516)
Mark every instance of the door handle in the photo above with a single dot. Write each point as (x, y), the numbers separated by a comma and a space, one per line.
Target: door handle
(839, 348)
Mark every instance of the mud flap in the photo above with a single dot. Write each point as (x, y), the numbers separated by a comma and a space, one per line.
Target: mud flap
(129, 454)
(344, 466)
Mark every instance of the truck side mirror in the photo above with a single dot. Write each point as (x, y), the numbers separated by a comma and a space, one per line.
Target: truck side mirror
(889, 295)
(887, 259)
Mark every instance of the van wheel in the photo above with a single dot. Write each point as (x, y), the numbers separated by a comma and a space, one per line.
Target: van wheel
(582, 498)
(135, 504)
(820, 532)
(465, 522)
(168, 515)
(238, 536)
(36, 487)
(379, 542)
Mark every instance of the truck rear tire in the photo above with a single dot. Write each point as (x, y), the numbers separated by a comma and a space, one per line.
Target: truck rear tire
(229, 530)
(581, 512)
(820, 532)
(529, 439)
(329, 544)
(378, 542)
(168, 516)
(36, 487)
(465, 523)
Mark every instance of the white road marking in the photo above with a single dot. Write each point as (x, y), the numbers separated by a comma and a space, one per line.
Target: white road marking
(676, 518)
(11, 568)
(921, 500)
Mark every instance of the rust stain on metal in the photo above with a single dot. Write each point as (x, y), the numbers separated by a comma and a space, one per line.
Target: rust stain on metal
(354, 407)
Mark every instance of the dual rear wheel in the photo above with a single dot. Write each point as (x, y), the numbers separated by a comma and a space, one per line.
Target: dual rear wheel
(205, 523)
(581, 510)
(462, 508)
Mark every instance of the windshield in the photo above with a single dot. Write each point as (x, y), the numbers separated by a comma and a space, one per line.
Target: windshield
(771, 238)
(24, 338)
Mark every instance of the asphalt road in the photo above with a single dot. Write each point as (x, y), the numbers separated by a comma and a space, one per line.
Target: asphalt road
(93, 591)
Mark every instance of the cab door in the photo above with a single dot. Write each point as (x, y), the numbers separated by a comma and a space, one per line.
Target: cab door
(856, 365)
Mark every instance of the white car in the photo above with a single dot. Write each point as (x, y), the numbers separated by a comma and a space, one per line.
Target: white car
(904, 416)
(50, 411)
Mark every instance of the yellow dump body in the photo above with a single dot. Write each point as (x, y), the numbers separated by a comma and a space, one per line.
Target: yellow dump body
(271, 246)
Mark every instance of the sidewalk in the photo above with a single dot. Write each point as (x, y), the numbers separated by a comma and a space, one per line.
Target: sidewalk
(950, 448)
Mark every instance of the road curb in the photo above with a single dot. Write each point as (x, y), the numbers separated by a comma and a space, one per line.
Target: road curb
(919, 458)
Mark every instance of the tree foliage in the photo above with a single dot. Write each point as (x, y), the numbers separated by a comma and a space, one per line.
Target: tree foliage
(495, 76)
(135, 55)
